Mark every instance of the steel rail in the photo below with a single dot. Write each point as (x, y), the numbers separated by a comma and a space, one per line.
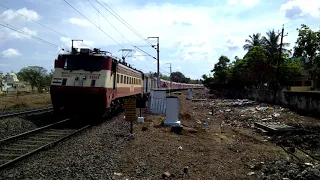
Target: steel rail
(54, 135)
(25, 112)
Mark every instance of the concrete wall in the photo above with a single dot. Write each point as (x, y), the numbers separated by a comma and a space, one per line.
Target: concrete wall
(307, 101)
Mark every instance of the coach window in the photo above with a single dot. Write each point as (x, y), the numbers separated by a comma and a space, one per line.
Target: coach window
(121, 79)
(130, 80)
(118, 79)
(127, 80)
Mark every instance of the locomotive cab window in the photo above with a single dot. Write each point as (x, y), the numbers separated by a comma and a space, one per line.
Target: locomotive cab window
(87, 63)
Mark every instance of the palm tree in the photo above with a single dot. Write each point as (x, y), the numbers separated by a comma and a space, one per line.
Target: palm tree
(255, 40)
(272, 44)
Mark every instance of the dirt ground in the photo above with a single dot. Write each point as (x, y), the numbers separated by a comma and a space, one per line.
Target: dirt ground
(24, 101)
(222, 145)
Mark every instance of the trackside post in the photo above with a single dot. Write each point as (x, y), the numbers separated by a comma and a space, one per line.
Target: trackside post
(130, 111)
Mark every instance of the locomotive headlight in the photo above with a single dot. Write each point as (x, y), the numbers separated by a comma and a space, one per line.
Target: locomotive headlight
(84, 77)
(77, 78)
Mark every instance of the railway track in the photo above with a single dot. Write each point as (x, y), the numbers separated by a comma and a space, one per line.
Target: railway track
(2, 116)
(15, 148)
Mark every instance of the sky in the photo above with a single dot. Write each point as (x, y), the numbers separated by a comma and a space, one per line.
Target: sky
(193, 35)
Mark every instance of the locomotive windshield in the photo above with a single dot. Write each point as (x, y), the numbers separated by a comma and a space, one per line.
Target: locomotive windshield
(87, 63)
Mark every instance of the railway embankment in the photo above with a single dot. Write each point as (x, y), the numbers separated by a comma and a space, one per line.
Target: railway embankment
(220, 139)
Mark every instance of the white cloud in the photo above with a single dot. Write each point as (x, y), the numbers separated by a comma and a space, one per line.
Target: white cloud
(192, 42)
(17, 35)
(9, 15)
(234, 43)
(137, 56)
(10, 53)
(80, 22)
(248, 3)
(295, 8)
(178, 68)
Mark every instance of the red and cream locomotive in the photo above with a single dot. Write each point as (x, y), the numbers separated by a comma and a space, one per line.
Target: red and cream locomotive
(92, 81)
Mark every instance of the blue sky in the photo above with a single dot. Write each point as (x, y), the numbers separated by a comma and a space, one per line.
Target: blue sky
(192, 34)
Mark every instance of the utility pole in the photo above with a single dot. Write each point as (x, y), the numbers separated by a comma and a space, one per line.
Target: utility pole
(170, 78)
(277, 85)
(158, 61)
(72, 44)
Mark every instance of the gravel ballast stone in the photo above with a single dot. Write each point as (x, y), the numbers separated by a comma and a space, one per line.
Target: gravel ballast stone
(92, 154)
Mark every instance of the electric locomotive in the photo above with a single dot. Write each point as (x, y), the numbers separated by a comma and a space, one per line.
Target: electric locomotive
(92, 82)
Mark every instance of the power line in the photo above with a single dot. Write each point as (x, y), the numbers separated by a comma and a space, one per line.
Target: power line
(37, 22)
(307, 25)
(123, 21)
(109, 22)
(34, 37)
(93, 23)
(119, 31)
(303, 16)
(33, 20)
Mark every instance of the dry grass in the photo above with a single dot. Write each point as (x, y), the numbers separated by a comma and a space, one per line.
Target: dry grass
(26, 101)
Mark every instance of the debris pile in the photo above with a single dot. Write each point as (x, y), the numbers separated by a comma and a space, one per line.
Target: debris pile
(280, 169)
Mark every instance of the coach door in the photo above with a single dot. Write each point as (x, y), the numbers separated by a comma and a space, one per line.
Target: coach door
(114, 73)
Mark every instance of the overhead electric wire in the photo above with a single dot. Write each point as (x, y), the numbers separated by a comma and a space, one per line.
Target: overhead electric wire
(308, 26)
(32, 36)
(109, 22)
(303, 16)
(33, 20)
(38, 22)
(93, 23)
(120, 32)
(123, 21)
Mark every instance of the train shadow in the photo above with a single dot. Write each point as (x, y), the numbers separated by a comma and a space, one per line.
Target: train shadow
(44, 118)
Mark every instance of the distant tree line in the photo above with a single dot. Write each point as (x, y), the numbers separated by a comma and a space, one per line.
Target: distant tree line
(258, 67)
(176, 77)
(37, 76)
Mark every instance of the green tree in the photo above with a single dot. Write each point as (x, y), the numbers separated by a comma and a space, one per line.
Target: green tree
(204, 77)
(258, 66)
(271, 43)
(254, 40)
(307, 44)
(221, 70)
(178, 77)
(290, 68)
(35, 75)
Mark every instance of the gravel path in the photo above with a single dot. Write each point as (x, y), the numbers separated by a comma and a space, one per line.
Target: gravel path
(92, 154)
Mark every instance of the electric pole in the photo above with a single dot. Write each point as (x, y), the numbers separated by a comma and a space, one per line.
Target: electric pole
(277, 85)
(158, 62)
(170, 79)
(72, 44)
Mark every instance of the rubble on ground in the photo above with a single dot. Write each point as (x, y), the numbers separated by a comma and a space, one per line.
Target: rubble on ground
(244, 113)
